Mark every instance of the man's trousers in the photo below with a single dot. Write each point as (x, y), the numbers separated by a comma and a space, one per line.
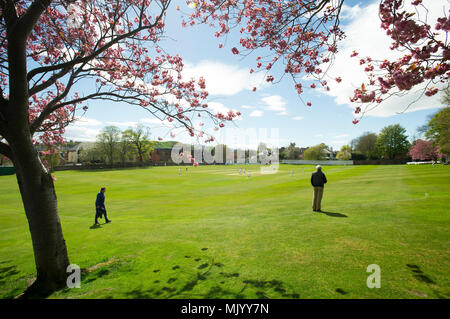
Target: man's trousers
(317, 199)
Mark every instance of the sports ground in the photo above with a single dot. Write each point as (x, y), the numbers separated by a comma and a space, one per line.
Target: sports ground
(212, 233)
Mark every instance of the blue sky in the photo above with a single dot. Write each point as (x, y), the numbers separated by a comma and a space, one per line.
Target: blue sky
(229, 82)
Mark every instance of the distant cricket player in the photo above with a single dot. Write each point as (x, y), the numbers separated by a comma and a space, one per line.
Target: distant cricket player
(318, 181)
(100, 206)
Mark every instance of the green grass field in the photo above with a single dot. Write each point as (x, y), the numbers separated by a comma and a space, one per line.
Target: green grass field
(211, 233)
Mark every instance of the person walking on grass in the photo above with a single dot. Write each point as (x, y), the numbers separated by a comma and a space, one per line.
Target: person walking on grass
(318, 180)
(100, 206)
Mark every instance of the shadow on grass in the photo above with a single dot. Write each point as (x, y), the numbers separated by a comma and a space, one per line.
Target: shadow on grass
(89, 275)
(333, 214)
(207, 279)
(421, 276)
(96, 226)
(341, 291)
(7, 271)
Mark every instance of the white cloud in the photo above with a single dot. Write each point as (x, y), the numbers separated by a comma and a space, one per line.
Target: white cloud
(84, 129)
(365, 35)
(122, 124)
(85, 121)
(342, 135)
(82, 134)
(87, 129)
(217, 107)
(338, 142)
(224, 79)
(348, 12)
(150, 121)
(274, 103)
(256, 113)
(143, 121)
(298, 118)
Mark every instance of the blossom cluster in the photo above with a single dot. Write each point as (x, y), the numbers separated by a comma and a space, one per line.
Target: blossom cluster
(426, 57)
(283, 27)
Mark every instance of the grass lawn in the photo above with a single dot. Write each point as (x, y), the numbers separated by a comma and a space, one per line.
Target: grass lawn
(211, 233)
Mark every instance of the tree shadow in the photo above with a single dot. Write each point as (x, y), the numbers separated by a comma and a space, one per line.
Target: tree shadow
(210, 275)
(331, 214)
(341, 291)
(7, 271)
(419, 275)
(90, 277)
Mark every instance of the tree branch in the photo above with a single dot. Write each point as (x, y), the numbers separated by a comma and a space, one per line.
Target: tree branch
(9, 13)
(29, 19)
(49, 82)
(5, 150)
(94, 54)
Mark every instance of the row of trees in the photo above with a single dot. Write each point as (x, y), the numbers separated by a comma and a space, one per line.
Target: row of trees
(290, 152)
(115, 146)
(391, 143)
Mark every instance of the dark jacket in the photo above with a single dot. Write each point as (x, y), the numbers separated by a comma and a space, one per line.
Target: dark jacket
(318, 179)
(100, 201)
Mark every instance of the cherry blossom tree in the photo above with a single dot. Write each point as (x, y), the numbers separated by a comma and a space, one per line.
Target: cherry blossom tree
(424, 150)
(110, 49)
(300, 35)
(304, 35)
(425, 59)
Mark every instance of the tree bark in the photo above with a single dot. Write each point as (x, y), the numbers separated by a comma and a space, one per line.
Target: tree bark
(35, 183)
(40, 203)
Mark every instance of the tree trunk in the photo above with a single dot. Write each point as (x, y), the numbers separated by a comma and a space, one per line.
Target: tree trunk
(141, 159)
(35, 183)
(40, 203)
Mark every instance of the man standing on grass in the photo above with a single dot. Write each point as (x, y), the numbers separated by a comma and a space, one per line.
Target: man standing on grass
(318, 180)
(100, 206)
